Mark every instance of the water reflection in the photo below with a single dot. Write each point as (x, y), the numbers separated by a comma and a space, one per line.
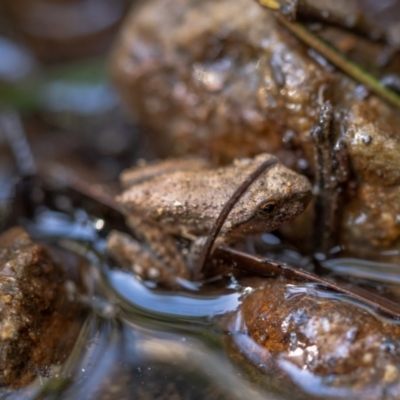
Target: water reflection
(142, 342)
(172, 305)
(137, 342)
(372, 270)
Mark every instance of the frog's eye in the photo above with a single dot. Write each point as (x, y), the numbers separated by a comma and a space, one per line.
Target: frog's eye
(268, 207)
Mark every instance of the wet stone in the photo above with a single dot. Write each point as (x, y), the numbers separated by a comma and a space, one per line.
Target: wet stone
(302, 337)
(31, 294)
(216, 77)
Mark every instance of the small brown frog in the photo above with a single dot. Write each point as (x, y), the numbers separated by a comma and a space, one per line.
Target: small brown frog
(183, 198)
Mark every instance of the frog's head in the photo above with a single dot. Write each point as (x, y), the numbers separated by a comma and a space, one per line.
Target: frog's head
(277, 196)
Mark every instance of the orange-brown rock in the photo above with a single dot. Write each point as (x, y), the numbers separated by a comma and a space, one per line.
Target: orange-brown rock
(317, 341)
(36, 326)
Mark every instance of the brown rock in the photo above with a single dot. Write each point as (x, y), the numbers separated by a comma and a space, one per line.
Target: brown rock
(31, 293)
(318, 342)
(224, 79)
(216, 77)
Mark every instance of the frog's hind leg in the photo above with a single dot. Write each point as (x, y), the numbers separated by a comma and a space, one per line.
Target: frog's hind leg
(132, 255)
(160, 243)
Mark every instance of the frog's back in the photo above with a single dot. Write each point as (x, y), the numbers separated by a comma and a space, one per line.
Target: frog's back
(187, 201)
(190, 201)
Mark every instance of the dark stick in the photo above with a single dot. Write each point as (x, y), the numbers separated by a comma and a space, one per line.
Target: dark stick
(228, 208)
(322, 136)
(271, 268)
(332, 173)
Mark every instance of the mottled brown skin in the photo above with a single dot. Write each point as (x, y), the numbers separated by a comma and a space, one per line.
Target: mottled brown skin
(187, 203)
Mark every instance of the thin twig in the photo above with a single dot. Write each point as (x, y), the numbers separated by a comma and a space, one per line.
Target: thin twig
(347, 16)
(337, 59)
(267, 267)
(228, 208)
